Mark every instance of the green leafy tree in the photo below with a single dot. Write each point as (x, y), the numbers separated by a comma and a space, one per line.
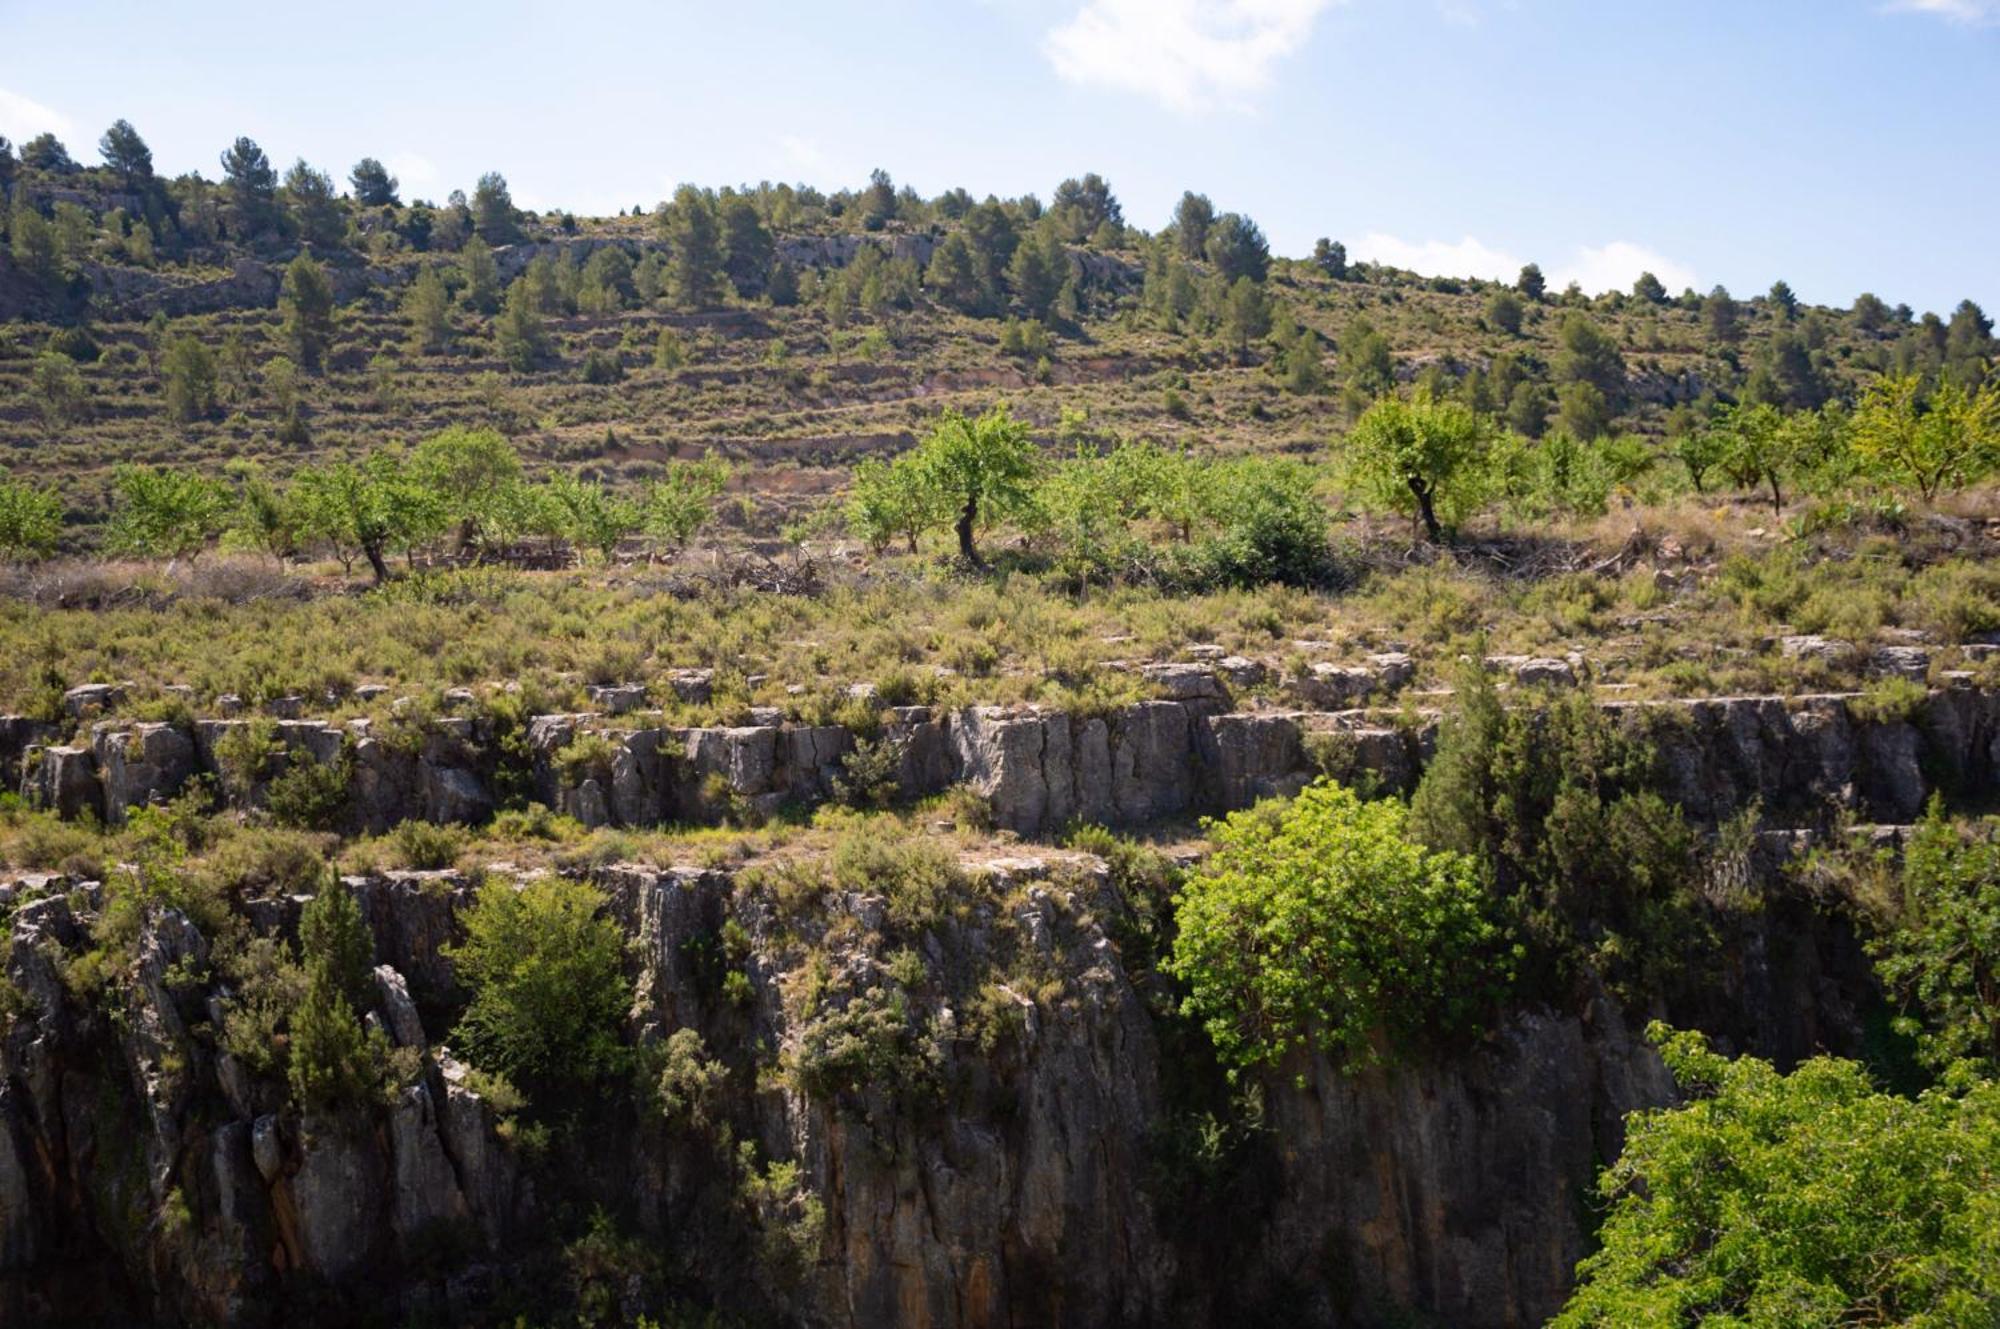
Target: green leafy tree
(1037, 275)
(1193, 215)
(305, 300)
(591, 516)
(1237, 248)
(523, 337)
(952, 277)
(493, 210)
(428, 307)
(1246, 315)
(1330, 257)
(696, 238)
(1764, 447)
(32, 240)
(1503, 312)
(1805, 1199)
(58, 390)
(126, 154)
(314, 206)
(546, 973)
(1421, 455)
(1648, 290)
(252, 184)
(1783, 303)
(1947, 443)
(747, 246)
(165, 512)
(1318, 924)
(334, 1061)
(682, 500)
(1588, 355)
(982, 467)
(189, 374)
(1367, 369)
(1583, 411)
(890, 501)
(1080, 207)
(373, 186)
(1531, 284)
(1938, 948)
(480, 273)
(45, 152)
(472, 472)
(30, 520)
(1723, 317)
(372, 509)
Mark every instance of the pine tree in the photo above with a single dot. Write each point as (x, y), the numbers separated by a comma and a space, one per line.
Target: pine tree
(306, 301)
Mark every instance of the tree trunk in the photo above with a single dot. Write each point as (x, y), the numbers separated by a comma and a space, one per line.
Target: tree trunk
(966, 517)
(375, 562)
(1777, 499)
(1427, 511)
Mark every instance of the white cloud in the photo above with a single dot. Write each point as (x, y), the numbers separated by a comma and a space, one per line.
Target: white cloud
(21, 118)
(815, 165)
(415, 172)
(1191, 55)
(1439, 258)
(1958, 11)
(1614, 267)
(1610, 267)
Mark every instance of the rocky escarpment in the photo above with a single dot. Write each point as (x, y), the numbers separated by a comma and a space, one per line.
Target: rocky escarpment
(1189, 752)
(1008, 1157)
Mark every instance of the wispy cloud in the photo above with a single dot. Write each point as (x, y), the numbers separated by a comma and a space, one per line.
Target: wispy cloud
(415, 172)
(815, 165)
(1609, 267)
(21, 118)
(1974, 12)
(1190, 55)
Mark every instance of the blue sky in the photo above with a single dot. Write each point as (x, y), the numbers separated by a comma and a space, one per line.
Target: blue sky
(1840, 144)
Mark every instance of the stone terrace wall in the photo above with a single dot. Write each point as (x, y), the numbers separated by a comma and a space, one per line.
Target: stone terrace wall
(1039, 770)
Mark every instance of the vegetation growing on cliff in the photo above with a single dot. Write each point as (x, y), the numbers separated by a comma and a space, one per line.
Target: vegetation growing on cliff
(1320, 924)
(1812, 1198)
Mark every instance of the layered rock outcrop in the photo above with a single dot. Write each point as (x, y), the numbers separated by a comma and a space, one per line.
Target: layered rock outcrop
(1039, 770)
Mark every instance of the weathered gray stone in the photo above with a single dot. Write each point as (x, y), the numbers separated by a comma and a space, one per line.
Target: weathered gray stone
(92, 699)
(63, 780)
(618, 699)
(1911, 662)
(146, 763)
(399, 1013)
(337, 1194)
(1827, 650)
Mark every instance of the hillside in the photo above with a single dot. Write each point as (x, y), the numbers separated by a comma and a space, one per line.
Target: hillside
(791, 758)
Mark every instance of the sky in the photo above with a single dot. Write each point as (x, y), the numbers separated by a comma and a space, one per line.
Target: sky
(1841, 145)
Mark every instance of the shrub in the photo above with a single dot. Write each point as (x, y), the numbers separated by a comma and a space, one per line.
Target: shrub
(311, 795)
(1809, 1198)
(1939, 949)
(334, 1061)
(548, 987)
(1320, 924)
(1595, 867)
(426, 846)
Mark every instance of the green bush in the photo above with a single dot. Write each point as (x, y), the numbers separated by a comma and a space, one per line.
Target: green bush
(1939, 950)
(1802, 1199)
(549, 993)
(1596, 869)
(1320, 924)
(334, 1061)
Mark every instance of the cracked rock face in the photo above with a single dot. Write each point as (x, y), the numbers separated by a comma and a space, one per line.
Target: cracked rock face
(1008, 1178)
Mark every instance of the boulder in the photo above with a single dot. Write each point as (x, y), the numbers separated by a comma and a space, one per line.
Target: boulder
(618, 699)
(1911, 662)
(1826, 650)
(64, 780)
(694, 687)
(146, 763)
(92, 699)
(1184, 682)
